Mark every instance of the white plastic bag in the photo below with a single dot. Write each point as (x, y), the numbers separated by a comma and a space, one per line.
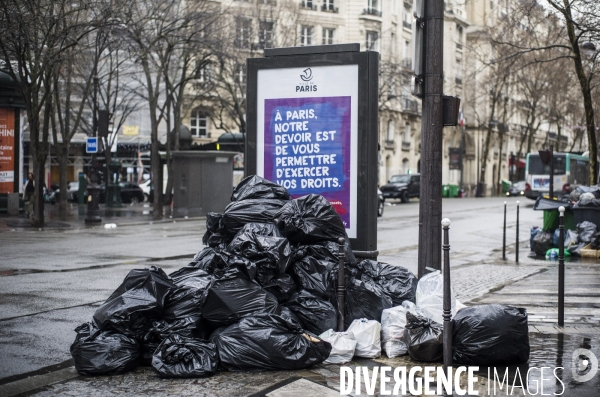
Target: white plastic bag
(368, 337)
(343, 345)
(430, 297)
(393, 321)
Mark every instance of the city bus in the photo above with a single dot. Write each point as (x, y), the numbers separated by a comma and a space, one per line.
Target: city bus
(570, 171)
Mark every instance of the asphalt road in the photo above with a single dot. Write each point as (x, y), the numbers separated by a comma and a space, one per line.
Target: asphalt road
(52, 281)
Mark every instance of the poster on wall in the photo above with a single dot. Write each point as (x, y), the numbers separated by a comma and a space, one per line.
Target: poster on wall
(307, 123)
(7, 150)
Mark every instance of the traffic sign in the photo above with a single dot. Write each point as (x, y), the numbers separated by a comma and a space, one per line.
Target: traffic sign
(91, 145)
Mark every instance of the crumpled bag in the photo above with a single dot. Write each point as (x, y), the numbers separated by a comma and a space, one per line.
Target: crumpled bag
(534, 232)
(343, 345)
(317, 276)
(490, 335)
(424, 338)
(399, 283)
(257, 187)
(325, 250)
(316, 314)
(269, 342)
(586, 231)
(542, 243)
(368, 337)
(393, 322)
(97, 352)
(281, 286)
(232, 296)
(215, 235)
(136, 302)
(180, 357)
(189, 327)
(270, 254)
(364, 299)
(570, 238)
(309, 219)
(239, 213)
(430, 296)
(209, 259)
(188, 296)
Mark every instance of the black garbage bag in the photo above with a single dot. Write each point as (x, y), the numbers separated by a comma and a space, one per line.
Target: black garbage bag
(188, 296)
(490, 335)
(270, 254)
(317, 276)
(215, 235)
(542, 243)
(575, 249)
(257, 187)
(97, 352)
(364, 299)
(310, 219)
(232, 296)
(181, 357)
(209, 259)
(586, 231)
(316, 315)
(424, 338)
(399, 283)
(136, 303)
(239, 213)
(288, 314)
(148, 349)
(189, 327)
(325, 250)
(269, 342)
(281, 286)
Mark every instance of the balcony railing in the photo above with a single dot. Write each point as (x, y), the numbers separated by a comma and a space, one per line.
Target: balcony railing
(458, 46)
(372, 11)
(329, 8)
(405, 146)
(410, 105)
(458, 80)
(389, 145)
(407, 24)
(552, 136)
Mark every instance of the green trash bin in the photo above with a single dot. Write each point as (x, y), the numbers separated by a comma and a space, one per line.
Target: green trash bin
(505, 186)
(453, 190)
(551, 219)
(445, 190)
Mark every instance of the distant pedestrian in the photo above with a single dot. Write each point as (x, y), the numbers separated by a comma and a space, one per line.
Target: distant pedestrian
(28, 196)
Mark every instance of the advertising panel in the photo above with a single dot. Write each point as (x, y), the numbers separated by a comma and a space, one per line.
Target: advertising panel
(307, 123)
(7, 150)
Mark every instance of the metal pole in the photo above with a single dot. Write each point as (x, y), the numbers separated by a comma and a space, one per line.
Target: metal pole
(430, 201)
(551, 192)
(504, 235)
(517, 241)
(561, 267)
(341, 288)
(93, 210)
(447, 305)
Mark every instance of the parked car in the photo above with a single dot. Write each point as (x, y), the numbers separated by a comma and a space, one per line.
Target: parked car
(402, 187)
(517, 189)
(72, 192)
(380, 203)
(131, 193)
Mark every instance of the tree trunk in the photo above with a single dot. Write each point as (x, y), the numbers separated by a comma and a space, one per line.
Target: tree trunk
(63, 157)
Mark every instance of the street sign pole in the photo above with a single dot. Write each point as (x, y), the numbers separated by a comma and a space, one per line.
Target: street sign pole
(93, 210)
(561, 267)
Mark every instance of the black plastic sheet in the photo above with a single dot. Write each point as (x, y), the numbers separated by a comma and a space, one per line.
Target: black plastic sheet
(542, 242)
(316, 315)
(423, 337)
(209, 259)
(310, 219)
(138, 300)
(490, 335)
(187, 297)
(232, 296)
(215, 235)
(269, 342)
(256, 187)
(239, 213)
(97, 352)
(281, 286)
(325, 250)
(181, 357)
(317, 276)
(586, 231)
(364, 299)
(399, 283)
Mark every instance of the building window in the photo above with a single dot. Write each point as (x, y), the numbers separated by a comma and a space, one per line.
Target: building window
(328, 5)
(310, 4)
(241, 75)
(458, 71)
(306, 33)
(199, 123)
(393, 44)
(243, 33)
(390, 131)
(407, 17)
(372, 40)
(373, 4)
(459, 36)
(328, 36)
(203, 74)
(406, 134)
(265, 34)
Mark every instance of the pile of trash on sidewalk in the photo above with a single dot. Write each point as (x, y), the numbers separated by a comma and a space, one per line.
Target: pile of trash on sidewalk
(262, 296)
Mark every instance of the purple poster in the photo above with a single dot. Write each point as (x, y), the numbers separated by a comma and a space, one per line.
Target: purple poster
(307, 148)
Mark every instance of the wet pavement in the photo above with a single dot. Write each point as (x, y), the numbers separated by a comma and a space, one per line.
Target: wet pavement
(52, 280)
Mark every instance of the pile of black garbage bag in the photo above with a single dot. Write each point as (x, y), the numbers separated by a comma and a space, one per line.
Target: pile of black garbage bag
(255, 298)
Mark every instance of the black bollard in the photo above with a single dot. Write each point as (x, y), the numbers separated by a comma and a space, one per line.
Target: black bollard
(341, 288)
(504, 235)
(447, 305)
(517, 242)
(561, 267)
